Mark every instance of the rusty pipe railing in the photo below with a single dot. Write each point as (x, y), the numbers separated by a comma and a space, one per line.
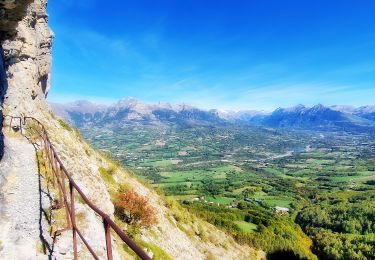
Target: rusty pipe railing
(60, 175)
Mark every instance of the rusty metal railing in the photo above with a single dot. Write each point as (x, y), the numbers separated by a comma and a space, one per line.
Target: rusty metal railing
(62, 177)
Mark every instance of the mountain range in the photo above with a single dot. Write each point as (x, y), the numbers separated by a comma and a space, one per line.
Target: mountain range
(131, 111)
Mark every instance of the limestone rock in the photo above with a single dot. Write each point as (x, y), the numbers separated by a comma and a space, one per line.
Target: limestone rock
(26, 58)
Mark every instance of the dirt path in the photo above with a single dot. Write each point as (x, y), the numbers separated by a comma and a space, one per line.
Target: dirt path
(19, 201)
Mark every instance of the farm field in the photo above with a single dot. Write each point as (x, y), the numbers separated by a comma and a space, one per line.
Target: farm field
(246, 226)
(245, 173)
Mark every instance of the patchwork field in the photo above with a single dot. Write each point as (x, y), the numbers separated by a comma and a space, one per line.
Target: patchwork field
(236, 177)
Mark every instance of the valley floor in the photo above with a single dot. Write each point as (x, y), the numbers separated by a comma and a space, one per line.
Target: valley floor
(239, 178)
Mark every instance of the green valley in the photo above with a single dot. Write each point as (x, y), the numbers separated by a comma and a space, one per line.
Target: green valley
(276, 190)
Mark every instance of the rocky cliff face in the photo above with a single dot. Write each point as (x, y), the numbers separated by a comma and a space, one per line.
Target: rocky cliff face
(25, 56)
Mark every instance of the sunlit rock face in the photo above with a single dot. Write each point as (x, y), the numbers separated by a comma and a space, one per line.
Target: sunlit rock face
(25, 56)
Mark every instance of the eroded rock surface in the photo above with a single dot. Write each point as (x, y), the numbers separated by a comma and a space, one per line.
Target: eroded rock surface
(26, 56)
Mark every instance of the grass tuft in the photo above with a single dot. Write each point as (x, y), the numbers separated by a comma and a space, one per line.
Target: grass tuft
(65, 125)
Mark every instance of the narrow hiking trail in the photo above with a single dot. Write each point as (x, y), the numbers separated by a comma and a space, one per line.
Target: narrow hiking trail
(20, 201)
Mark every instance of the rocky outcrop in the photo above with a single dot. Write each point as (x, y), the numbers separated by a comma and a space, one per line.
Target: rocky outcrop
(26, 56)
(11, 12)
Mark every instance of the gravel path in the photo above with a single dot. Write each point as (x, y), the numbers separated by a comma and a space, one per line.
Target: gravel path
(19, 201)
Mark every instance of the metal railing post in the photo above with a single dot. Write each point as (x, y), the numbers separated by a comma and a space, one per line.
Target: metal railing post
(107, 230)
(21, 125)
(73, 218)
(62, 178)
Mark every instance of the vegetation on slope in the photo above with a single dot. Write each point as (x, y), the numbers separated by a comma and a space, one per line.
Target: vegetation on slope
(273, 233)
(134, 209)
(342, 228)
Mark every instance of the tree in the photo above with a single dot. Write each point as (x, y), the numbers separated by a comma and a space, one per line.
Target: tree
(248, 192)
(135, 209)
(212, 188)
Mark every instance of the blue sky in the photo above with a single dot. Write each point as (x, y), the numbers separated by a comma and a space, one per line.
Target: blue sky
(233, 54)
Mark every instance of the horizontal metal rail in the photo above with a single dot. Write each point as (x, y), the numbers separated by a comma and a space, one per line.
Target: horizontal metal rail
(60, 175)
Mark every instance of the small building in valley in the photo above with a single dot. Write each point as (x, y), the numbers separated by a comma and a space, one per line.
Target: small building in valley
(281, 210)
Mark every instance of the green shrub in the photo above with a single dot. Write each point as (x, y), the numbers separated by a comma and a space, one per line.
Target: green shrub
(107, 175)
(157, 251)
